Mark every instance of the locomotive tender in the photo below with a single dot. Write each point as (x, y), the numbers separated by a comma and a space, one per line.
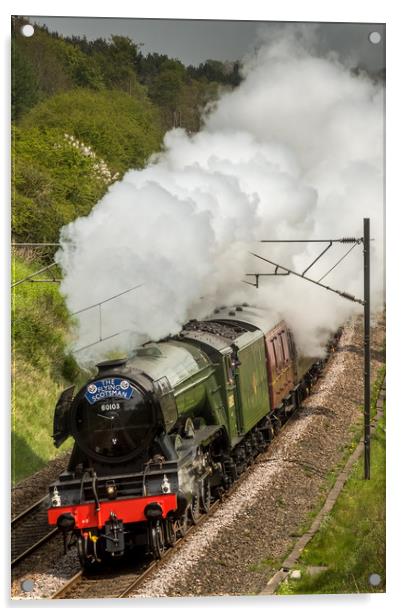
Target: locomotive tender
(160, 434)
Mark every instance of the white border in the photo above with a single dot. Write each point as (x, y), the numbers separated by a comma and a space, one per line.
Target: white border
(286, 10)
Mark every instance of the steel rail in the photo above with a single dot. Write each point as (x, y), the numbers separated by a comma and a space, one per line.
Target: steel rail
(28, 510)
(18, 554)
(34, 547)
(59, 593)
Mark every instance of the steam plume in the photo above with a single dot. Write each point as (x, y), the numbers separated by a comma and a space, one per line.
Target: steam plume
(296, 151)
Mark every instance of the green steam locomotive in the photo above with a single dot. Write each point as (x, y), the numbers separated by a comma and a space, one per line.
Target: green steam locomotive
(162, 433)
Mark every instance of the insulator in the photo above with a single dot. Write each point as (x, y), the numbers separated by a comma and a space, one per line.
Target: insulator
(348, 240)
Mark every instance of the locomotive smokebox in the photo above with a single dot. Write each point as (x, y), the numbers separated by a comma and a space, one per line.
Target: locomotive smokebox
(113, 420)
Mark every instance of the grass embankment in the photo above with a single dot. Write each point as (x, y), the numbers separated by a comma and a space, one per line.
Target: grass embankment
(351, 540)
(40, 368)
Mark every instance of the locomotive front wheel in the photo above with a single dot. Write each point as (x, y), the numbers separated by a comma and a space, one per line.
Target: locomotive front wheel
(90, 560)
(81, 551)
(156, 539)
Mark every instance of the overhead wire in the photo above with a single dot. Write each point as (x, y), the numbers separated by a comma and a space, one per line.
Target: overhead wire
(339, 261)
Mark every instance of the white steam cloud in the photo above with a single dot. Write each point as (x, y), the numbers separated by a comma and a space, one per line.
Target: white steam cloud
(296, 151)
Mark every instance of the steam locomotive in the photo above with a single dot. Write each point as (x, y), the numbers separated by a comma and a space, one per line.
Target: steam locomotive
(162, 433)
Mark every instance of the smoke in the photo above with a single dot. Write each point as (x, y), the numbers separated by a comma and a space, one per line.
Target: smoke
(296, 151)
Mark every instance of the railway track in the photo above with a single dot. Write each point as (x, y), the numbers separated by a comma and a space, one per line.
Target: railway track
(104, 585)
(30, 530)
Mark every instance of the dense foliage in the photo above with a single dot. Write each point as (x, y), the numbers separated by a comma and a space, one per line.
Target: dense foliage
(124, 130)
(41, 317)
(54, 182)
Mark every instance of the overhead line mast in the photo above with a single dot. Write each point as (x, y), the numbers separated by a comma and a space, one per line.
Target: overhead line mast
(281, 270)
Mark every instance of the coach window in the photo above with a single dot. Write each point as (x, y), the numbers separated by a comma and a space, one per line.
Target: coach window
(279, 353)
(272, 357)
(274, 352)
(284, 347)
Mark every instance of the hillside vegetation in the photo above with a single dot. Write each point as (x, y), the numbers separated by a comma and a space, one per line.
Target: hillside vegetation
(41, 369)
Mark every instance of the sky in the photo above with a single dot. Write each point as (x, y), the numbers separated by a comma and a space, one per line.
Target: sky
(195, 41)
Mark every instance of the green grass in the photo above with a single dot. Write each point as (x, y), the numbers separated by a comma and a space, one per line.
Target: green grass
(35, 393)
(40, 369)
(355, 435)
(351, 540)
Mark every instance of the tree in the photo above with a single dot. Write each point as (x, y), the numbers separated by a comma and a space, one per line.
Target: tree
(165, 89)
(116, 60)
(24, 84)
(193, 98)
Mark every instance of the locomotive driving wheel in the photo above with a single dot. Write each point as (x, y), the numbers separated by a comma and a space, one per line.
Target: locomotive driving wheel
(183, 523)
(205, 495)
(260, 441)
(156, 539)
(269, 430)
(171, 531)
(194, 509)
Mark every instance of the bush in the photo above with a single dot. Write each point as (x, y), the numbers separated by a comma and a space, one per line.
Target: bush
(124, 130)
(39, 320)
(54, 182)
